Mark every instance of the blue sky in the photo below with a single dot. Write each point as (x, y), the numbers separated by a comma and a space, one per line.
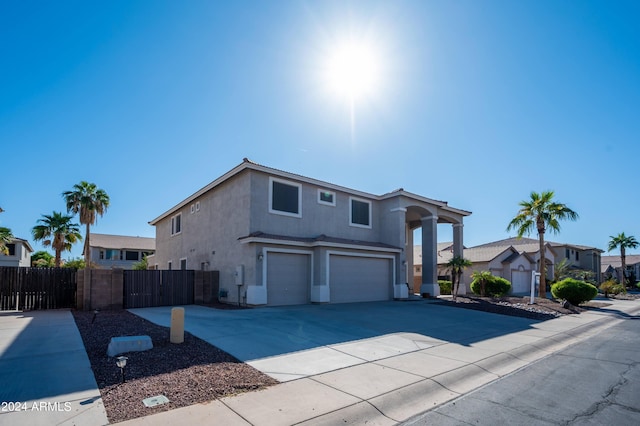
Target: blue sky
(479, 103)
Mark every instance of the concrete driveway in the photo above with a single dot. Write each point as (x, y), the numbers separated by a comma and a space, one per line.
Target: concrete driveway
(292, 342)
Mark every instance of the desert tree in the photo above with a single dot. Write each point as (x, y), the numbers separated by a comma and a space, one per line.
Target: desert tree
(624, 242)
(57, 230)
(89, 202)
(541, 213)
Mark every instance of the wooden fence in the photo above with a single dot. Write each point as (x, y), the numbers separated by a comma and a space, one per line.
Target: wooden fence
(37, 288)
(144, 289)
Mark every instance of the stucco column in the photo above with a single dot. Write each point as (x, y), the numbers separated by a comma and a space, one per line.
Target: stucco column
(430, 256)
(397, 225)
(458, 250)
(408, 248)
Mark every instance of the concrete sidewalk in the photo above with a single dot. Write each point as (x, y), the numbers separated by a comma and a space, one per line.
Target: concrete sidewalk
(388, 378)
(45, 374)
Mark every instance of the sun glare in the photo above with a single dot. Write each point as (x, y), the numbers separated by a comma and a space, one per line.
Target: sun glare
(353, 70)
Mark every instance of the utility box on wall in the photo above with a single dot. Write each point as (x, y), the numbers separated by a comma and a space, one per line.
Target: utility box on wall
(239, 275)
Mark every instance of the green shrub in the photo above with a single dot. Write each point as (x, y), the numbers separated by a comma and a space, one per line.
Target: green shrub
(612, 287)
(445, 286)
(494, 286)
(573, 291)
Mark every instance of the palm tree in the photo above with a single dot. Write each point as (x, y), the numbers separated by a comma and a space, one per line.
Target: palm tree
(57, 231)
(624, 242)
(5, 238)
(89, 201)
(456, 265)
(483, 278)
(541, 213)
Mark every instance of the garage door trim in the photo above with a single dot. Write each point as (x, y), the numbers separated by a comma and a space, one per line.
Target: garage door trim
(392, 258)
(266, 251)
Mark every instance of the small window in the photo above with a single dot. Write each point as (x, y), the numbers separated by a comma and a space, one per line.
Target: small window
(285, 198)
(193, 208)
(132, 255)
(577, 255)
(326, 197)
(176, 224)
(183, 264)
(566, 252)
(169, 265)
(101, 254)
(197, 206)
(360, 213)
(11, 248)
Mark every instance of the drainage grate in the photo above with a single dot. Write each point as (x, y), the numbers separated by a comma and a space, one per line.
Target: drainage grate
(155, 400)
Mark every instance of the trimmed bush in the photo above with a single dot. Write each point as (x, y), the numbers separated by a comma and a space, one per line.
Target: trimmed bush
(574, 291)
(494, 287)
(612, 287)
(445, 286)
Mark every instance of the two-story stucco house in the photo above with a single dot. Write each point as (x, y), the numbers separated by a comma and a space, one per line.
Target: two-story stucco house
(119, 251)
(279, 238)
(19, 253)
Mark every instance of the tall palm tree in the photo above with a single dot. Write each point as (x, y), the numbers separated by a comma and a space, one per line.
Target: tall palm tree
(90, 202)
(541, 213)
(5, 238)
(456, 265)
(57, 231)
(624, 242)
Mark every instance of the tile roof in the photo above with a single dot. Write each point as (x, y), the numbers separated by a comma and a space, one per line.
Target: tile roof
(317, 239)
(616, 261)
(122, 242)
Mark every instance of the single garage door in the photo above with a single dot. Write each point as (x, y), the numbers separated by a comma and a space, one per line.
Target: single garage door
(359, 279)
(520, 282)
(288, 278)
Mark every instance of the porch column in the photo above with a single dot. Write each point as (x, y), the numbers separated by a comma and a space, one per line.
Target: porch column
(430, 256)
(408, 248)
(458, 245)
(458, 250)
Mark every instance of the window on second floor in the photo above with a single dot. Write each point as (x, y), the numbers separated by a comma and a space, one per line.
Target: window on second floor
(132, 255)
(326, 197)
(11, 248)
(176, 224)
(360, 213)
(285, 197)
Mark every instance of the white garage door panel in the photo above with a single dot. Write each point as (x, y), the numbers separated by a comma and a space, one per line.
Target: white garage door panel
(521, 282)
(288, 278)
(360, 279)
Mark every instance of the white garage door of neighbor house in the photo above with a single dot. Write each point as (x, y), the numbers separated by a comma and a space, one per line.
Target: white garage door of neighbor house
(288, 278)
(359, 279)
(521, 282)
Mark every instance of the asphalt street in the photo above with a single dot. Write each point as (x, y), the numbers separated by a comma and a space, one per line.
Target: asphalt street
(594, 382)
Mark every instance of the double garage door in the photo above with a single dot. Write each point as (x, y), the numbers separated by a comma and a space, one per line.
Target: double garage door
(351, 278)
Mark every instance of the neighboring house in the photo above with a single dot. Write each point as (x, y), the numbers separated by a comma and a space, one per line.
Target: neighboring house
(119, 251)
(611, 267)
(515, 258)
(19, 253)
(279, 238)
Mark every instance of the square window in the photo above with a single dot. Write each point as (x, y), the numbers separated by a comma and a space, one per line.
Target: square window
(326, 197)
(11, 248)
(285, 198)
(360, 213)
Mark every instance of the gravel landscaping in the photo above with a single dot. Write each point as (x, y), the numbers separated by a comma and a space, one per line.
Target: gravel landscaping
(186, 373)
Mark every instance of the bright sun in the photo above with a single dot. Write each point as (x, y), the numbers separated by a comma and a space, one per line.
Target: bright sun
(353, 70)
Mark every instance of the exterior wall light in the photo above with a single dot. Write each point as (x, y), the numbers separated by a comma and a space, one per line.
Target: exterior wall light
(260, 257)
